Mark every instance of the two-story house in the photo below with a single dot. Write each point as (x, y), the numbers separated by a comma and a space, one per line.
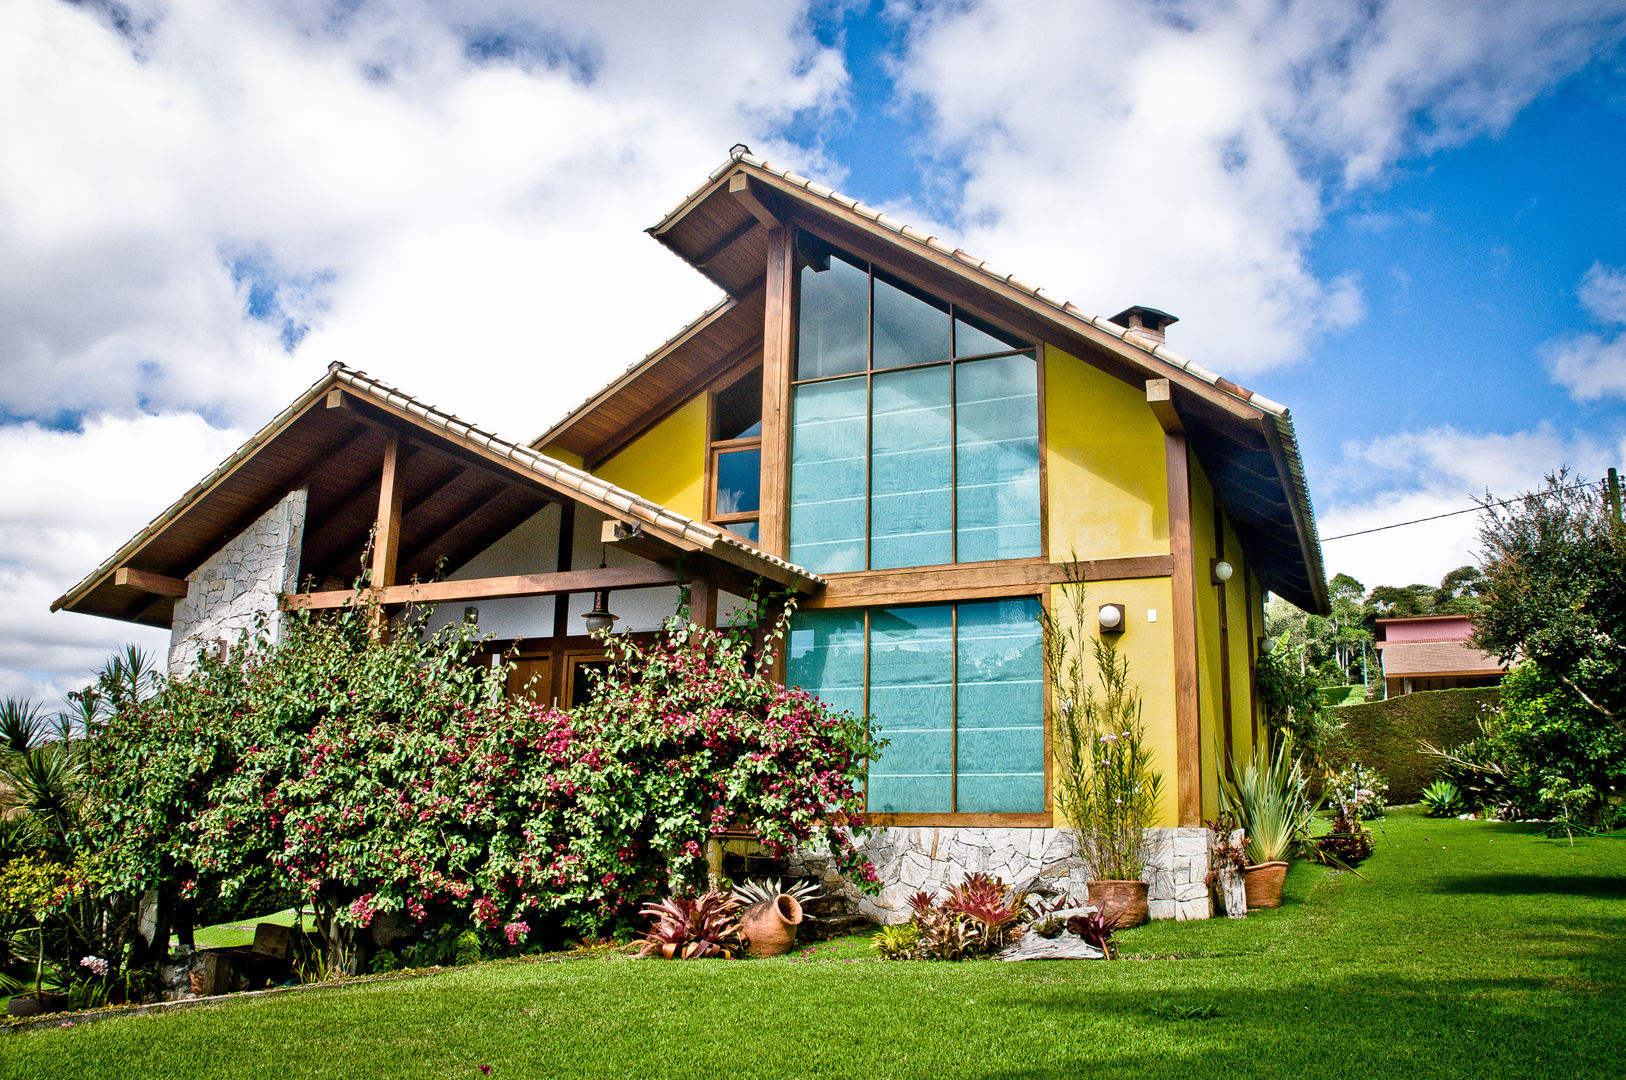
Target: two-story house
(920, 447)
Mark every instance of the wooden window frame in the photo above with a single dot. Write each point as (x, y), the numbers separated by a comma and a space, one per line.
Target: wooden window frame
(717, 447)
(1025, 819)
(956, 310)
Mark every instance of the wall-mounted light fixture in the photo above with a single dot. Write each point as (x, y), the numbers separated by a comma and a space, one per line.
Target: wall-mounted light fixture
(1220, 571)
(471, 615)
(1111, 618)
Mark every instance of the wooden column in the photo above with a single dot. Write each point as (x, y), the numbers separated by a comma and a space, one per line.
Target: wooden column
(561, 604)
(1253, 658)
(1225, 638)
(1183, 584)
(703, 604)
(387, 536)
(778, 346)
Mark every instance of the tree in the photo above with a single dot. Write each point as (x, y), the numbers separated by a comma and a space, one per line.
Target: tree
(1554, 591)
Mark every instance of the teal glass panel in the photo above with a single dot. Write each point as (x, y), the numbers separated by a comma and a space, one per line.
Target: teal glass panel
(911, 694)
(827, 464)
(911, 463)
(832, 335)
(908, 329)
(739, 481)
(997, 443)
(1000, 745)
(976, 339)
(826, 657)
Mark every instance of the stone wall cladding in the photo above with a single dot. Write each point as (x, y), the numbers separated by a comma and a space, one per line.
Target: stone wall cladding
(933, 859)
(237, 589)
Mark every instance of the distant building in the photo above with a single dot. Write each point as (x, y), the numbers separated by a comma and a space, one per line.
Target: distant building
(1431, 652)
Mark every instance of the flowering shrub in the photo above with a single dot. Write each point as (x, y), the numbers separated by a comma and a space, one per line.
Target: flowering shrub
(390, 776)
(1356, 792)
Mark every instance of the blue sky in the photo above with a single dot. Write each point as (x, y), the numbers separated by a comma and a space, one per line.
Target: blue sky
(1403, 218)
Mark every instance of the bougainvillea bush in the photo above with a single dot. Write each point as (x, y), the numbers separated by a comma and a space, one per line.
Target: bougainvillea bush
(380, 775)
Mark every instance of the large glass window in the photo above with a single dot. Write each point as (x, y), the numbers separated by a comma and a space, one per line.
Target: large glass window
(915, 428)
(736, 456)
(956, 689)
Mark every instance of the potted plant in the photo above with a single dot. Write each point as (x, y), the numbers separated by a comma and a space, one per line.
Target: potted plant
(1105, 785)
(770, 915)
(1269, 797)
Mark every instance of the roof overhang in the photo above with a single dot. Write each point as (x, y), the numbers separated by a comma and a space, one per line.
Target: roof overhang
(465, 488)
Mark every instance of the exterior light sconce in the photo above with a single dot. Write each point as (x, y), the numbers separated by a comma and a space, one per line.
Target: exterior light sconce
(471, 615)
(1111, 618)
(1220, 571)
(599, 618)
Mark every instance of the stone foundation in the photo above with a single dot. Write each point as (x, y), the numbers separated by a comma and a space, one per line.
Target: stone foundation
(236, 591)
(932, 859)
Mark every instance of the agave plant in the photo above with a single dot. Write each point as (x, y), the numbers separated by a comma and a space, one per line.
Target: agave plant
(1442, 798)
(763, 890)
(686, 928)
(1270, 798)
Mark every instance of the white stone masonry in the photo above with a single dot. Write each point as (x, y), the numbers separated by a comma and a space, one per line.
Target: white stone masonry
(932, 859)
(236, 591)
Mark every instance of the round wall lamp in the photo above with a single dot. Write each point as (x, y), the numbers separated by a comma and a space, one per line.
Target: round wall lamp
(1220, 570)
(1111, 618)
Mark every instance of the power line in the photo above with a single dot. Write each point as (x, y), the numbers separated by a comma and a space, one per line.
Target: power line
(1454, 513)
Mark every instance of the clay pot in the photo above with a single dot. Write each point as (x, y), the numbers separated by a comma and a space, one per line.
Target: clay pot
(1263, 882)
(770, 926)
(1124, 902)
(29, 1005)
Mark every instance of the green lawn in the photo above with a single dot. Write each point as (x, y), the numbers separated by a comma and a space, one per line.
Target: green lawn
(1476, 950)
(227, 935)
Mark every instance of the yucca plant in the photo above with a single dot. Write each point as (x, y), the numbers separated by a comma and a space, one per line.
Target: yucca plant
(22, 724)
(1270, 798)
(763, 890)
(688, 928)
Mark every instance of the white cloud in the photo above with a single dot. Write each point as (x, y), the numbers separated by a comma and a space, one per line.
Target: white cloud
(1591, 366)
(1415, 475)
(1182, 155)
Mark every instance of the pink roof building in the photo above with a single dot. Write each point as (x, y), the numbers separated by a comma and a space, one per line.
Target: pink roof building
(1431, 652)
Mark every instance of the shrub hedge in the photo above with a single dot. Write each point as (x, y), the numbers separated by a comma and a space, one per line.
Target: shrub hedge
(1386, 735)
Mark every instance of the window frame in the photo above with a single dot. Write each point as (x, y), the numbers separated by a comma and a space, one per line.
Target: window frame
(955, 312)
(715, 447)
(1017, 819)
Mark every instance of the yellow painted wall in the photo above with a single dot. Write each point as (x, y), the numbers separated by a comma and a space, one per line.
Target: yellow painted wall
(1149, 647)
(1104, 464)
(668, 463)
(1209, 708)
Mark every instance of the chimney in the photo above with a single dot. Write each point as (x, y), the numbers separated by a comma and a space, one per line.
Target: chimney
(1146, 322)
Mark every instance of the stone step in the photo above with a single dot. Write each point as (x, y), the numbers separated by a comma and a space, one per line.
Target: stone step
(825, 927)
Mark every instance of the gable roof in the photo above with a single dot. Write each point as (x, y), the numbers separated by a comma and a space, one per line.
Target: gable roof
(472, 487)
(1245, 441)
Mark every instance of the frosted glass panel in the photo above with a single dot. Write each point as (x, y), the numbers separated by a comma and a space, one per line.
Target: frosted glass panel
(826, 657)
(997, 441)
(1000, 746)
(827, 475)
(911, 674)
(908, 330)
(911, 496)
(833, 329)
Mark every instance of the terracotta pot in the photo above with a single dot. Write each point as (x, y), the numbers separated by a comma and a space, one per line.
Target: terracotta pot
(1122, 901)
(770, 926)
(1263, 882)
(29, 1005)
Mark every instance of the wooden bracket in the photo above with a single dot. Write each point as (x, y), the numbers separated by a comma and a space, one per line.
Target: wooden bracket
(1160, 396)
(157, 584)
(739, 186)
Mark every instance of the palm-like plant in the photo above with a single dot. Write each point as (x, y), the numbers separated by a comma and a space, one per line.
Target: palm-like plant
(22, 724)
(1270, 798)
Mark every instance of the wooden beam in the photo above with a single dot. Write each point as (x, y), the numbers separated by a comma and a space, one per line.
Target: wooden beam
(387, 537)
(1160, 397)
(437, 592)
(728, 240)
(972, 581)
(778, 356)
(148, 582)
(1188, 756)
(739, 186)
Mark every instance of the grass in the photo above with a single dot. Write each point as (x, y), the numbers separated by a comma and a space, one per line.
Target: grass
(1476, 950)
(228, 935)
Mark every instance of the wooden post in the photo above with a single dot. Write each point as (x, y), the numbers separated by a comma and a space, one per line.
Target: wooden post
(1233, 891)
(703, 604)
(778, 347)
(387, 531)
(1183, 585)
(1225, 639)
